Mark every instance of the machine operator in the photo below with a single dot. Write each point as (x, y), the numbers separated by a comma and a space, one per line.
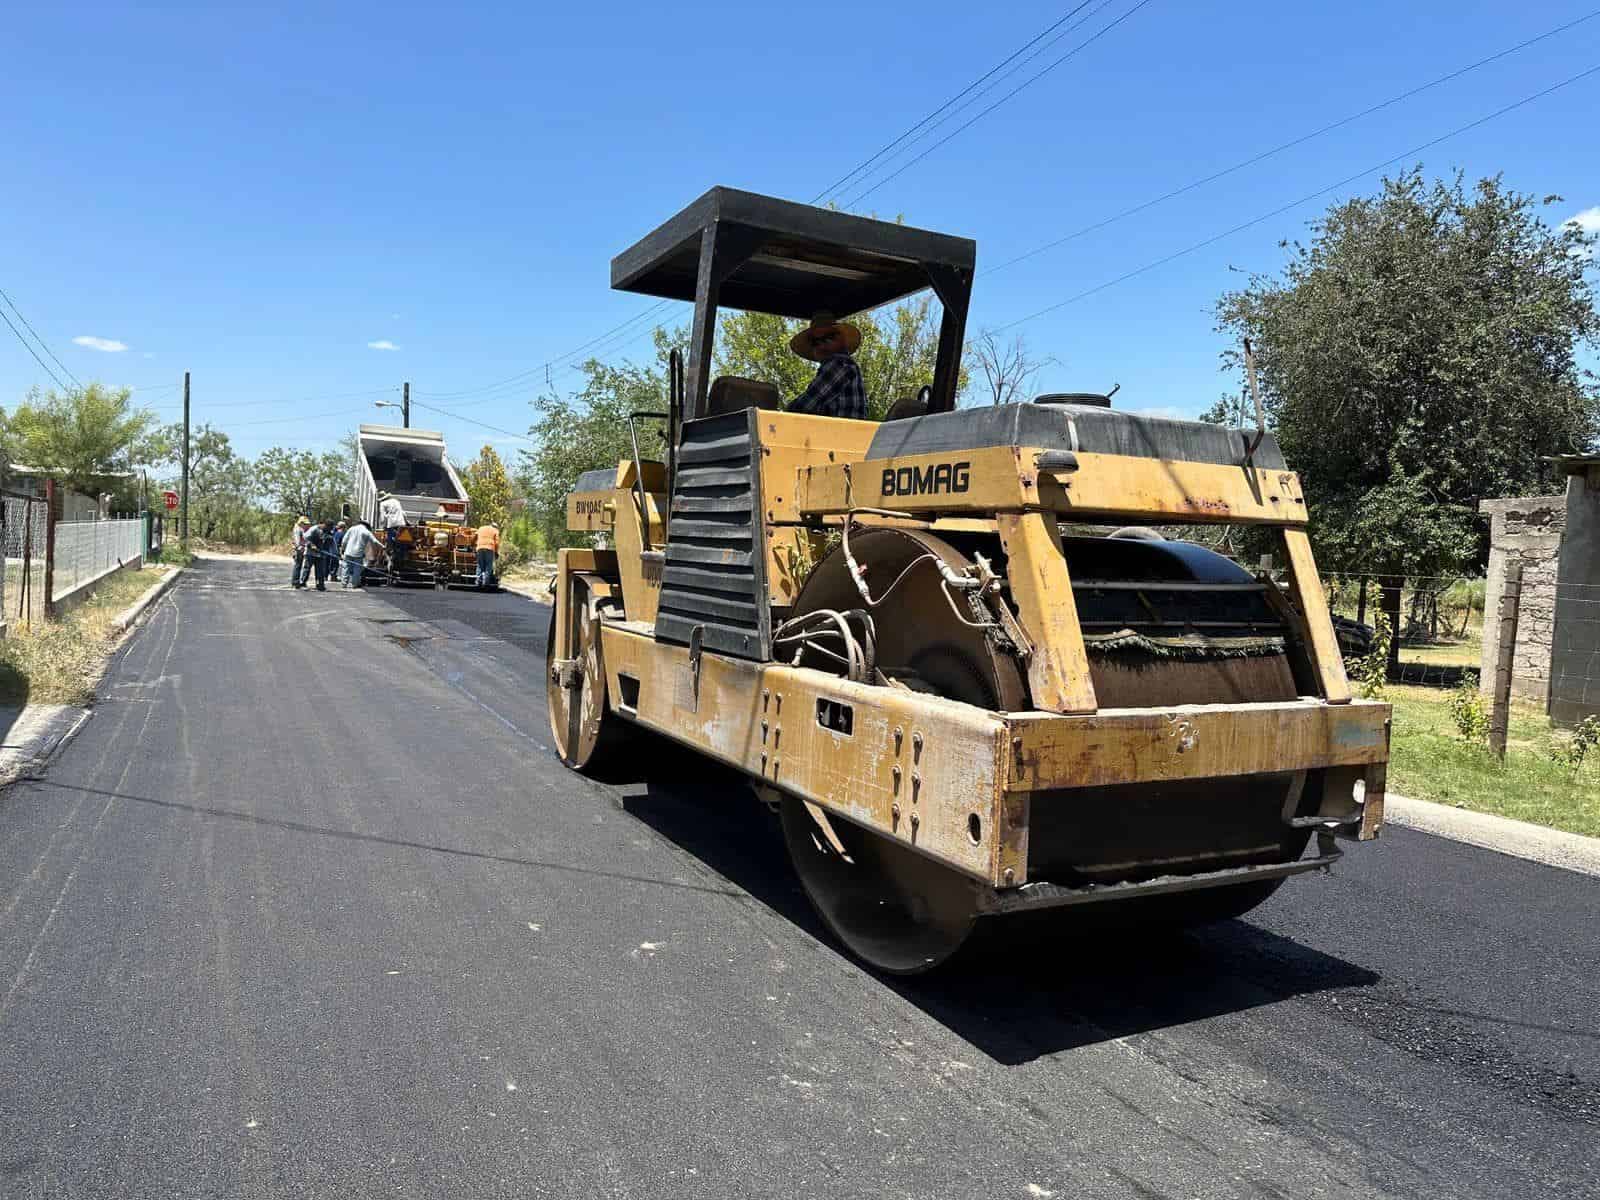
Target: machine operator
(837, 390)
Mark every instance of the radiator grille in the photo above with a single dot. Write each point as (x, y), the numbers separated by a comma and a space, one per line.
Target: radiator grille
(715, 572)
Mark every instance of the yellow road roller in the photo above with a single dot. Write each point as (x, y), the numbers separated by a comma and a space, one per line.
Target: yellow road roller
(959, 650)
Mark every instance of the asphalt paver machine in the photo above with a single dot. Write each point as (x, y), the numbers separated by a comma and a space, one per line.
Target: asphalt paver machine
(951, 647)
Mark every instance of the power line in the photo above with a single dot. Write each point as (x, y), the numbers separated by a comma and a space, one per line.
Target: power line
(492, 391)
(497, 389)
(485, 392)
(481, 424)
(286, 420)
(1289, 145)
(387, 391)
(45, 346)
(551, 362)
(1026, 83)
(26, 345)
(1333, 187)
(867, 162)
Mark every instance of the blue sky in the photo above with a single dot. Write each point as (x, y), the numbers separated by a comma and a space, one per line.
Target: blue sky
(261, 196)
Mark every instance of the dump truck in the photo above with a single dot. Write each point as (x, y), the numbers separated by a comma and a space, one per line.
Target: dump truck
(957, 650)
(411, 465)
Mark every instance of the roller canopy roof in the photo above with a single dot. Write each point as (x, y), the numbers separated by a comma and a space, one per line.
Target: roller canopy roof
(800, 259)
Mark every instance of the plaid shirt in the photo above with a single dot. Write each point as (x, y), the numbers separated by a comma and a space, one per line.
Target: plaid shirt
(837, 391)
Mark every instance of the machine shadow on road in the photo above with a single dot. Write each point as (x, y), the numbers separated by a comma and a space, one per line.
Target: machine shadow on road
(1019, 997)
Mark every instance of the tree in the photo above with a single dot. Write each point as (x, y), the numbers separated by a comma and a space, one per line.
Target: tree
(85, 438)
(1417, 356)
(488, 487)
(220, 482)
(1007, 369)
(303, 481)
(588, 431)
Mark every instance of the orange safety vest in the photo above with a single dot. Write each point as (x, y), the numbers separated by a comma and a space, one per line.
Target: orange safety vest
(489, 538)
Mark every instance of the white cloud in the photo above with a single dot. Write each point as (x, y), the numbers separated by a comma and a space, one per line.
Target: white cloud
(382, 344)
(108, 345)
(1589, 222)
(1165, 411)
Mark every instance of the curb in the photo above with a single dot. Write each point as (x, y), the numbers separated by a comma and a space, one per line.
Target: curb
(135, 610)
(1520, 839)
(34, 737)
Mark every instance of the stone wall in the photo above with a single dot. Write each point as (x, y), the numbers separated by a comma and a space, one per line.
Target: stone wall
(1526, 529)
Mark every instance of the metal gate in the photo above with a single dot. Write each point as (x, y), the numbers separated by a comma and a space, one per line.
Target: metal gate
(25, 529)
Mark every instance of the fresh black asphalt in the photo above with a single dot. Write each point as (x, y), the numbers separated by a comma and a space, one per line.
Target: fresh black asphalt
(308, 908)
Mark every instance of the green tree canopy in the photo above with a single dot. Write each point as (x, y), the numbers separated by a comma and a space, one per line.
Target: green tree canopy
(221, 488)
(488, 487)
(589, 430)
(84, 437)
(304, 481)
(1417, 356)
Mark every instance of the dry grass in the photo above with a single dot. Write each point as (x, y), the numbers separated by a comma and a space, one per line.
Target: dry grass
(59, 662)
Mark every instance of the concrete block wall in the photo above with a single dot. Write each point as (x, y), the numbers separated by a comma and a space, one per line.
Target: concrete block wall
(1526, 529)
(1575, 653)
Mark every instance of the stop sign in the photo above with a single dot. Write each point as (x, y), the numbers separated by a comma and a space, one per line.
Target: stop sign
(171, 499)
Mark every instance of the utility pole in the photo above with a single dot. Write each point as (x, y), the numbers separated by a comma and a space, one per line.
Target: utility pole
(183, 499)
(405, 405)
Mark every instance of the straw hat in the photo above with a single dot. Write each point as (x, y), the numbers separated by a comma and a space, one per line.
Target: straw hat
(303, 521)
(804, 342)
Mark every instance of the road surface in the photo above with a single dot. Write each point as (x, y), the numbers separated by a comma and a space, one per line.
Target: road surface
(309, 909)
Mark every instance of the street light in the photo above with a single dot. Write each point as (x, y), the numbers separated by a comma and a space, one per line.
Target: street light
(404, 407)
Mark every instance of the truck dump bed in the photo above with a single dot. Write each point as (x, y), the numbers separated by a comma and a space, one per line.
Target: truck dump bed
(411, 464)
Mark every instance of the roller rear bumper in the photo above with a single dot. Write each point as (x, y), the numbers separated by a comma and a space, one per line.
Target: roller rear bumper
(1031, 897)
(1124, 803)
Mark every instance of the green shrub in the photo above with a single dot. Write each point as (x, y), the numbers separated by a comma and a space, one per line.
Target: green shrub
(1571, 752)
(520, 541)
(1372, 670)
(1466, 709)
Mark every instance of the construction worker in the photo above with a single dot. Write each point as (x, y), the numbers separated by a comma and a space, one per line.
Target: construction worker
(391, 516)
(488, 548)
(298, 538)
(338, 543)
(836, 390)
(318, 539)
(353, 551)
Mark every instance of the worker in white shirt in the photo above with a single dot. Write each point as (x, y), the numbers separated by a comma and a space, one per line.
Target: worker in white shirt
(391, 516)
(354, 552)
(298, 539)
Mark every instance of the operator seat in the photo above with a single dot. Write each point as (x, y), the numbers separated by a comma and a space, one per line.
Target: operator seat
(734, 393)
(910, 406)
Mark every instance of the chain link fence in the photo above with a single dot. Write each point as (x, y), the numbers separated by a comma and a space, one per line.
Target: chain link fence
(86, 550)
